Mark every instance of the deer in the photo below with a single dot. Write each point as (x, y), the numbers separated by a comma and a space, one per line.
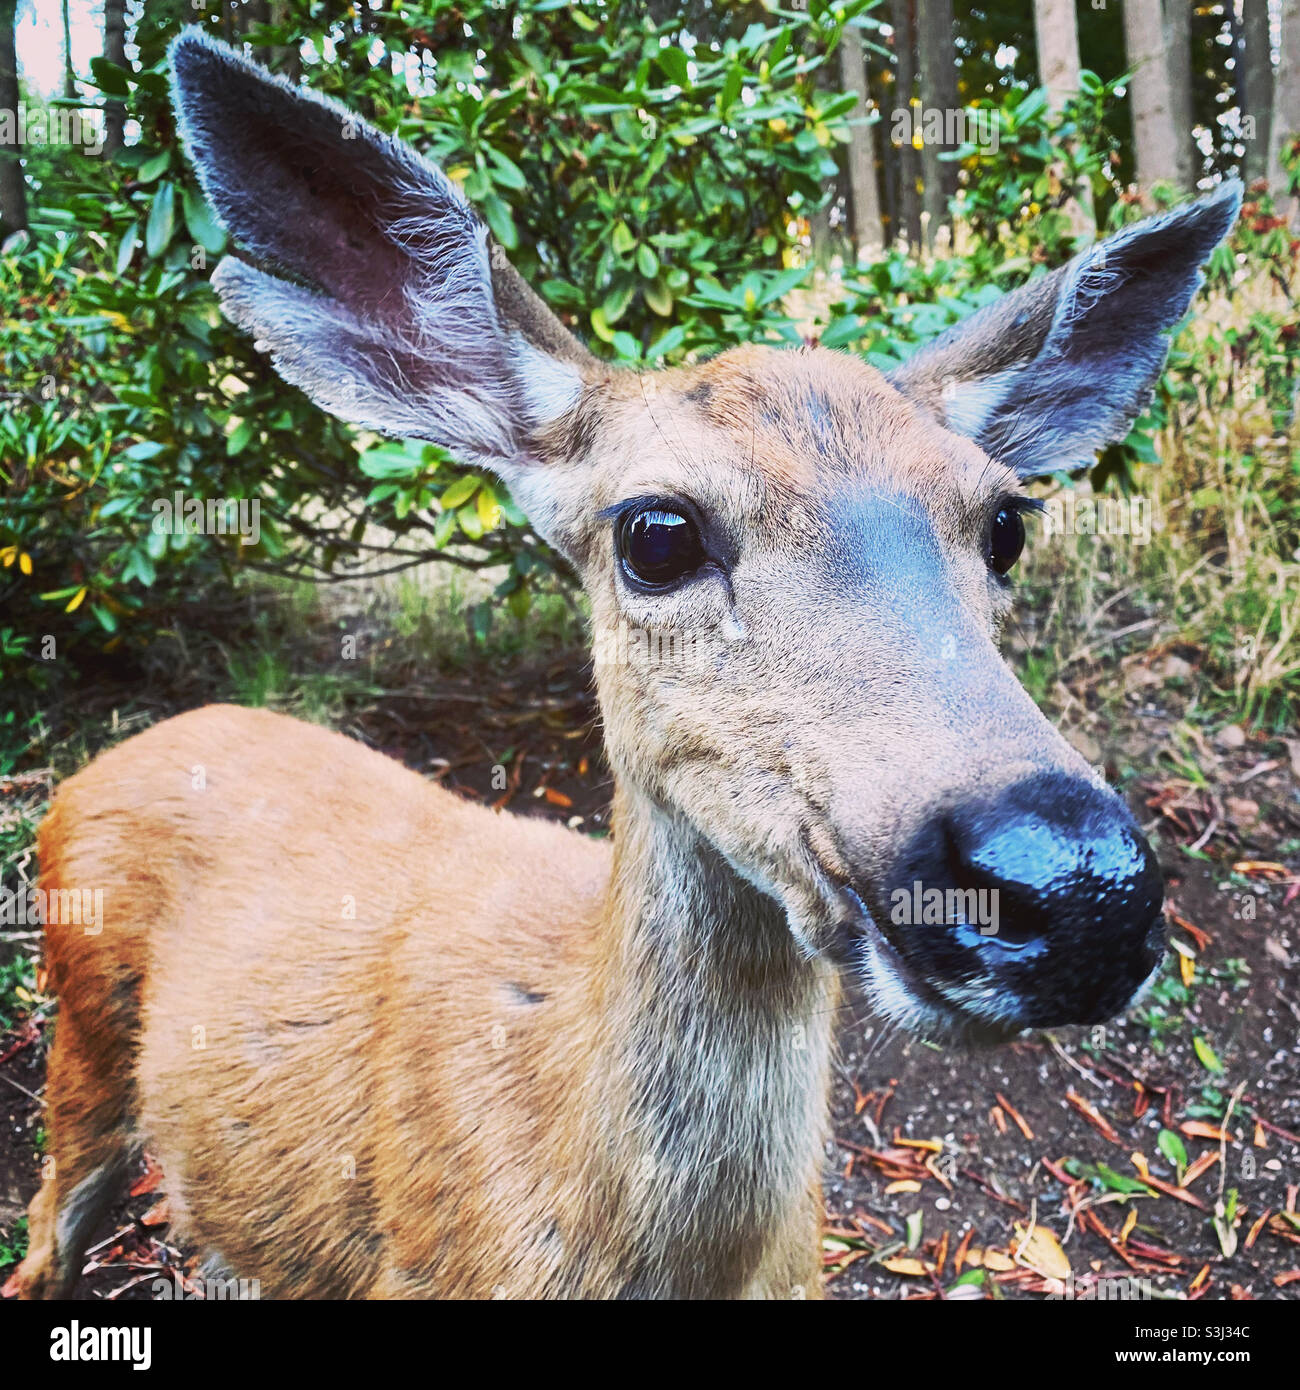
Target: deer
(385, 1042)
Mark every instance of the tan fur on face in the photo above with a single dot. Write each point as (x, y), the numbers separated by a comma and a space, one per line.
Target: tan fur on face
(772, 445)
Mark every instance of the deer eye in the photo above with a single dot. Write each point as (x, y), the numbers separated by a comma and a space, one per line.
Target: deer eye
(1007, 539)
(659, 548)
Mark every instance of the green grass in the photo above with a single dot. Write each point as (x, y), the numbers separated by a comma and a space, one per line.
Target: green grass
(1218, 582)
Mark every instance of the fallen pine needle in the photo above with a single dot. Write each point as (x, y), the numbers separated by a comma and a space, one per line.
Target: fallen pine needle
(1017, 1118)
(1093, 1116)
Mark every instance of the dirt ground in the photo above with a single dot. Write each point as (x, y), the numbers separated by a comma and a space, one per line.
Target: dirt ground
(1035, 1170)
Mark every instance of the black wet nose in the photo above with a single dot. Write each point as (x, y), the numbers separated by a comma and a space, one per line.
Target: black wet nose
(1058, 899)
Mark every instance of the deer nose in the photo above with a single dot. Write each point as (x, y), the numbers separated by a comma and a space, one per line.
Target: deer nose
(1058, 899)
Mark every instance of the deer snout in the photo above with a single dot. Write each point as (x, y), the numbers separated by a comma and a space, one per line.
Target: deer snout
(1051, 905)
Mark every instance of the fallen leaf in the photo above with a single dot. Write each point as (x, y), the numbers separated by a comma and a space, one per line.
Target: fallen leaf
(1206, 1054)
(148, 1180)
(1042, 1251)
(1093, 1116)
(1199, 1129)
(1256, 1229)
(1206, 1160)
(158, 1215)
(907, 1264)
(932, 1145)
(1261, 868)
(557, 798)
(1016, 1117)
(1202, 938)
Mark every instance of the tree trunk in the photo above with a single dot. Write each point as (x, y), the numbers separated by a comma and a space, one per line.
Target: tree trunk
(1155, 141)
(286, 60)
(936, 30)
(904, 17)
(13, 188)
(1178, 65)
(864, 193)
(1285, 124)
(69, 75)
(114, 52)
(1057, 35)
(1256, 95)
(1058, 50)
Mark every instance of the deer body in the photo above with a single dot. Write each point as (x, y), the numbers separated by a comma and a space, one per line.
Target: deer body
(469, 1024)
(385, 1043)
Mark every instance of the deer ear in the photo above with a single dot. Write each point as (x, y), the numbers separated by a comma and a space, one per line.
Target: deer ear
(1044, 377)
(364, 272)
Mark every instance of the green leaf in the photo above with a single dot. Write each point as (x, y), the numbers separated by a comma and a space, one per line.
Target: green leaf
(459, 492)
(154, 167)
(390, 461)
(1117, 1182)
(109, 77)
(658, 297)
(505, 171)
(646, 261)
(470, 522)
(202, 222)
(1205, 1052)
(126, 247)
(675, 65)
(666, 342)
(238, 439)
(616, 301)
(497, 214)
(162, 220)
(731, 88)
(1173, 1148)
(622, 239)
(104, 617)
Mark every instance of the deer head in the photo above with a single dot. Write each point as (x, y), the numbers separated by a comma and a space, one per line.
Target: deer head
(824, 548)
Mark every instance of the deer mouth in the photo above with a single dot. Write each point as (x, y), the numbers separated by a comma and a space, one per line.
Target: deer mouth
(901, 994)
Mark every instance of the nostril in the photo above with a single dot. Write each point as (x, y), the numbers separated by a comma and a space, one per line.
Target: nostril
(990, 871)
(1057, 859)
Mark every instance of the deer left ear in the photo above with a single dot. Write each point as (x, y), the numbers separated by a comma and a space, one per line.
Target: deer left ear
(363, 271)
(1044, 377)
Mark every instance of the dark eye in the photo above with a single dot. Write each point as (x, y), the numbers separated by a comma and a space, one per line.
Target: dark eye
(1007, 539)
(659, 548)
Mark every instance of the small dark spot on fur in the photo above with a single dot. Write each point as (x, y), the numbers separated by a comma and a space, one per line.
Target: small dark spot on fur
(525, 996)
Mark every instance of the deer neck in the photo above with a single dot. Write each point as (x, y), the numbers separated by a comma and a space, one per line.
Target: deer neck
(705, 1093)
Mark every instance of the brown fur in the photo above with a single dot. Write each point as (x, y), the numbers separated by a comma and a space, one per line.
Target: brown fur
(387, 1043)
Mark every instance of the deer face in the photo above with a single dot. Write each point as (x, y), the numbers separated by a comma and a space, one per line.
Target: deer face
(797, 578)
(797, 567)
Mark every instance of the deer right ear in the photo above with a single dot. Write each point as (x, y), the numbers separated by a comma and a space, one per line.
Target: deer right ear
(367, 276)
(1050, 373)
